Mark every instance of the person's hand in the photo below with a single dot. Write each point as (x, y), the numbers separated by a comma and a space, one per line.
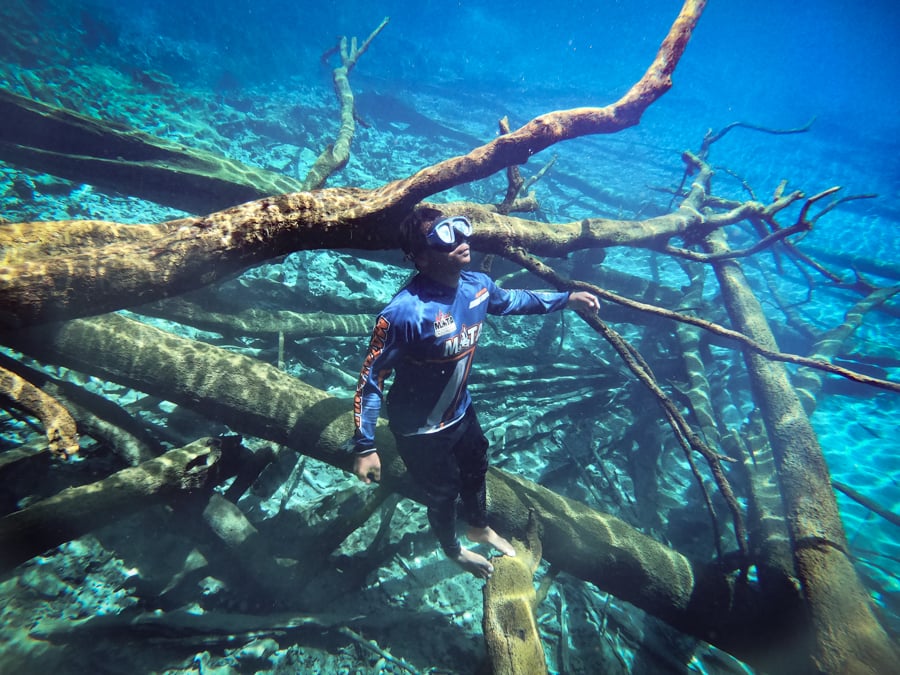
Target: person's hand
(367, 467)
(583, 301)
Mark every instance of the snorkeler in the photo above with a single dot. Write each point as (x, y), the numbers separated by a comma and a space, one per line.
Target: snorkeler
(427, 336)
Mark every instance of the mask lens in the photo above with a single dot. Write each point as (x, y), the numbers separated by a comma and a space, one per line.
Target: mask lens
(462, 225)
(444, 232)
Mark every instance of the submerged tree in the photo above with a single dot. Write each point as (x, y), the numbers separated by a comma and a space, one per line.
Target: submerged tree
(780, 592)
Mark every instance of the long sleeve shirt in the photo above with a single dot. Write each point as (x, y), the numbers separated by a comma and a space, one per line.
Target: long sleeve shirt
(427, 337)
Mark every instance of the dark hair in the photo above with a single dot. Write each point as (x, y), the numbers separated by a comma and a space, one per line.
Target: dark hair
(414, 228)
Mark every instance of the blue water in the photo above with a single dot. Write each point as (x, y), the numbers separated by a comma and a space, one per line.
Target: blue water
(433, 85)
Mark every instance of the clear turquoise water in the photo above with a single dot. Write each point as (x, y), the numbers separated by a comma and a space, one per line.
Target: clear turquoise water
(463, 65)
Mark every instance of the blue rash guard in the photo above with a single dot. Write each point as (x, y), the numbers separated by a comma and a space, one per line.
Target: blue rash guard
(427, 337)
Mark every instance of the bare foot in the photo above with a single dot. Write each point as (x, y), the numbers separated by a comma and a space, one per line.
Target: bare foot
(475, 564)
(486, 535)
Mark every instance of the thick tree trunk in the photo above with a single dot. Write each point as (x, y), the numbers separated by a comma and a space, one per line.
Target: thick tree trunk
(844, 634)
(55, 271)
(258, 399)
(59, 270)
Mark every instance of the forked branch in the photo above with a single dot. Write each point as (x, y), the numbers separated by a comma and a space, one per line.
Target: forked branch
(176, 256)
(336, 155)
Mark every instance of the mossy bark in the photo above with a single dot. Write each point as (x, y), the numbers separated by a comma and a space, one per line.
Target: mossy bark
(258, 399)
(510, 628)
(79, 510)
(843, 634)
(58, 270)
(110, 155)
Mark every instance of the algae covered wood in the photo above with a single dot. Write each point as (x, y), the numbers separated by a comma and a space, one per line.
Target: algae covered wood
(843, 635)
(43, 278)
(510, 628)
(258, 399)
(58, 423)
(109, 155)
(78, 510)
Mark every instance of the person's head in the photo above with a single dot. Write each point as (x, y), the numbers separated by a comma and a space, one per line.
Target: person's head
(435, 241)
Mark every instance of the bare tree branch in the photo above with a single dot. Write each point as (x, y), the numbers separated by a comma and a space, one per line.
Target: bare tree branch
(112, 270)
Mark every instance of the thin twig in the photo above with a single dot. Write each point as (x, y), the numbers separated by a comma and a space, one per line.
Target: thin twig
(738, 253)
(372, 646)
(542, 270)
(867, 502)
(636, 363)
(711, 137)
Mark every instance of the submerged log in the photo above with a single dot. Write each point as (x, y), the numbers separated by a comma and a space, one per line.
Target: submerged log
(844, 635)
(57, 270)
(79, 510)
(94, 415)
(510, 627)
(808, 382)
(54, 271)
(258, 399)
(109, 155)
(184, 626)
(271, 579)
(58, 423)
(261, 321)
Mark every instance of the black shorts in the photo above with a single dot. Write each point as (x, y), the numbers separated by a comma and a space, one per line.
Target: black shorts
(450, 466)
